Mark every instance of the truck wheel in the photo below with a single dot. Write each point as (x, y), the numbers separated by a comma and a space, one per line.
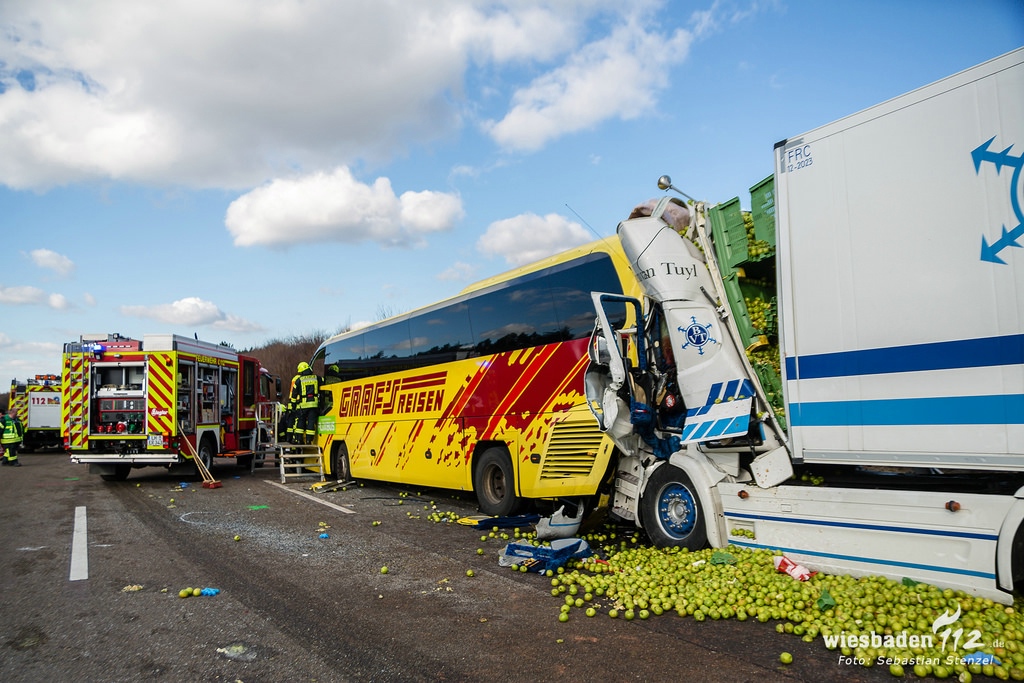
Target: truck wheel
(340, 469)
(120, 473)
(670, 510)
(206, 455)
(494, 483)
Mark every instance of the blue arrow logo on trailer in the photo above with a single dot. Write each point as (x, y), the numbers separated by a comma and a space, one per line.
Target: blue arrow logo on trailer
(990, 252)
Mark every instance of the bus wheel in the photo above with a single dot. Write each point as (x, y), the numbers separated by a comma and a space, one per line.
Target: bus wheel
(671, 512)
(120, 473)
(494, 483)
(339, 463)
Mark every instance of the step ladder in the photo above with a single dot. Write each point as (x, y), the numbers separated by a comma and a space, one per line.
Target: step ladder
(265, 451)
(297, 461)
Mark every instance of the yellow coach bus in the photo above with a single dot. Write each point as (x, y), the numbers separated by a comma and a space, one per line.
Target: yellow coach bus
(482, 392)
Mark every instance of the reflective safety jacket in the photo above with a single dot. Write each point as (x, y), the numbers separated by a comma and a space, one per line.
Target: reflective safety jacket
(305, 390)
(12, 429)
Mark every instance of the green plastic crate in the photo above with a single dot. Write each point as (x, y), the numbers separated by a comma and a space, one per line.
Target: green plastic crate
(772, 385)
(729, 233)
(737, 293)
(762, 210)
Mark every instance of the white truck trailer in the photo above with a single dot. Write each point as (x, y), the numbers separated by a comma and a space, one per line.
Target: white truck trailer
(894, 444)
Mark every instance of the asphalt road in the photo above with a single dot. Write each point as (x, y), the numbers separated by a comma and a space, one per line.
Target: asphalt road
(294, 606)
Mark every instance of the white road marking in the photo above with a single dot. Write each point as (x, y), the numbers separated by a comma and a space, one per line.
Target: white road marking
(79, 547)
(313, 498)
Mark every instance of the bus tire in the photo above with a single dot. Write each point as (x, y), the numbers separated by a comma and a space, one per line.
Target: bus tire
(671, 512)
(340, 469)
(494, 483)
(120, 473)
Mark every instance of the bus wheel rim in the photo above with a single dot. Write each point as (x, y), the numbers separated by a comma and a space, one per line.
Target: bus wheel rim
(496, 483)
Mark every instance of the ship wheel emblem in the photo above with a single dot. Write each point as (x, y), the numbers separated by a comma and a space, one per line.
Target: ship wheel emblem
(697, 335)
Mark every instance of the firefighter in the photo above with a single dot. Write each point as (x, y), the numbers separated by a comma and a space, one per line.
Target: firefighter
(305, 398)
(11, 433)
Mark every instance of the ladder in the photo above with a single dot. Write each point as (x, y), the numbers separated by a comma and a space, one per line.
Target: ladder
(293, 460)
(306, 461)
(268, 416)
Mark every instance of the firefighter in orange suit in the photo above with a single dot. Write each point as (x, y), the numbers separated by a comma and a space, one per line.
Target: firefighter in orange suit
(305, 401)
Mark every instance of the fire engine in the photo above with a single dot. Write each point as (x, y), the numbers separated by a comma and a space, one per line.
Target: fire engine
(156, 402)
(36, 404)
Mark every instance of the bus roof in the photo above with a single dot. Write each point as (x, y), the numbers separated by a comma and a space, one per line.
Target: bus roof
(608, 245)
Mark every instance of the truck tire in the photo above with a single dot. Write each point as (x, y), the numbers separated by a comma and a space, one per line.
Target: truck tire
(121, 473)
(340, 469)
(494, 483)
(206, 450)
(671, 512)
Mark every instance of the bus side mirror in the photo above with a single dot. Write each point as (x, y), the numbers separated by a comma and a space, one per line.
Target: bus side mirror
(277, 388)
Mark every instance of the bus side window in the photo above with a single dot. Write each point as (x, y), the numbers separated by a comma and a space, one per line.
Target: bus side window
(339, 357)
(439, 336)
(571, 290)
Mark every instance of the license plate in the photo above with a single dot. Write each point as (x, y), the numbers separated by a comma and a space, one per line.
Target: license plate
(155, 441)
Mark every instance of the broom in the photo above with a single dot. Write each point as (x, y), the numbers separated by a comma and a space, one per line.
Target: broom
(208, 481)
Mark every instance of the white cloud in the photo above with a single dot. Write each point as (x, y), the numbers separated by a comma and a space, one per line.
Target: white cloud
(529, 237)
(618, 76)
(22, 295)
(26, 295)
(192, 312)
(22, 359)
(51, 260)
(58, 302)
(335, 207)
(269, 88)
(429, 211)
(458, 272)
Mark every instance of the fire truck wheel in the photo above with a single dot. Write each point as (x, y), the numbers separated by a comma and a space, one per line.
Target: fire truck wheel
(205, 454)
(494, 483)
(339, 463)
(671, 512)
(121, 473)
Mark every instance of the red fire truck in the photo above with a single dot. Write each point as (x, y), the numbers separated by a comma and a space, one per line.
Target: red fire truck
(128, 403)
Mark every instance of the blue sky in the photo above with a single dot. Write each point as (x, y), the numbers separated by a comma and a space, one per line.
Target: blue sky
(249, 171)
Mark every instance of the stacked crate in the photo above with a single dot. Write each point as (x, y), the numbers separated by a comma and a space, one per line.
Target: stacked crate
(744, 244)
